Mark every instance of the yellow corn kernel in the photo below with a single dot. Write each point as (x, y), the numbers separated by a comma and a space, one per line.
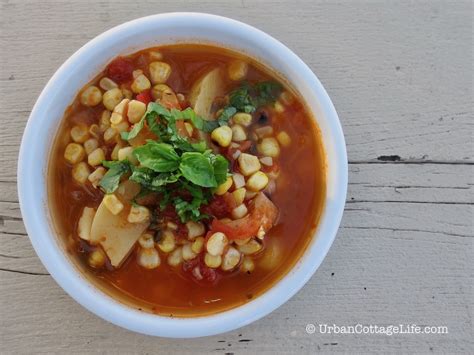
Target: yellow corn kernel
(241, 241)
(231, 259)
(127, 154)
(176, 257)
(121, 127)
(188, 252)
(216, 243)
(79, 133)
(80, 172)
(189, 128)
(140, 84)
(136, 73)
(239, 212)
(222, 136)
(97, 258)
(96, 157)
(283, 138)
(136, 109)
(118, 115)
(126, 93)
(212, 261)
(164, 95)
(155, 55)
(90, 145)
(279, 107)
(112, 98)
(149, 258)
(96, 176)
(269, 147)
(113, 204)
(107, 84)
(74, 153)
(172, 225)
(198, 245)
(167, 242)
(92, 96)
(95, 131)
(257, 181)
(242, 118)
(239, 195)
(248, 164)
(247, 265)
(85, 223)
(250, 194)
(238, 133)
(224, 187)
(138, 214)
(251, 247)
(114, 154)
(268, 161)
(104, 120)
(159, 72)
(237, 70)
(195, 229)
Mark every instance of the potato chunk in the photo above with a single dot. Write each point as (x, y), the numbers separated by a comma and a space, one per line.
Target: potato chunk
(204, 92)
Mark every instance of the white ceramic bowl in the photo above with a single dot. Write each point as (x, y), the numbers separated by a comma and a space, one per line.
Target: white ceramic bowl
(81, 67)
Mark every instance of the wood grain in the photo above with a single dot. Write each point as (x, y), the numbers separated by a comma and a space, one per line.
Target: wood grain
(400, 76)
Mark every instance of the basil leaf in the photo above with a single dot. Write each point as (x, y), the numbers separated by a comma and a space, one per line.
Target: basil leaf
(196, 168)
(160, 157)
(221, 166)
(111, 179)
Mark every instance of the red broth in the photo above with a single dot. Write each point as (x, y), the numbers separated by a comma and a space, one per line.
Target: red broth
(167, 290)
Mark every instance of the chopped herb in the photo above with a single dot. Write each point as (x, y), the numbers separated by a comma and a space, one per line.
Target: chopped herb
(111, 179)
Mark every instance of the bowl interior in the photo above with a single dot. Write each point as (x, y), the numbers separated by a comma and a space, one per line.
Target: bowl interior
(79, 69)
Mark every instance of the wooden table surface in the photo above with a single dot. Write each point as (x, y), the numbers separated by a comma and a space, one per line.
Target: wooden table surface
(401, 77)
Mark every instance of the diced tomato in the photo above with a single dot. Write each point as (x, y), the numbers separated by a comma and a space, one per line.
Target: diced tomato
(182, 131)
(120, 70)
(144, 96)
(243, 147)
(199, 271)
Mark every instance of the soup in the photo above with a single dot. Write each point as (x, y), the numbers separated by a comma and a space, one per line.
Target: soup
(186, 179)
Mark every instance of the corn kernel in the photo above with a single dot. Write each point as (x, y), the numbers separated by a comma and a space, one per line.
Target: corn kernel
(279, 107)
(237, 70)
(222, 136)
(224, 187)
(189, 128)
(269, 147)
(242, 118)
(159, 72)
(127, 154)
(239, 195)
(95, 131)
(118, 115)
(112, 98)
(268, 161)
(113, 204)
(97, 258)
(85, 223)
(149, 258)
(167, 242)
(136, 73)
(79, 134)
(74, 153)
(107, 84)
(90, 145)
(247, 265)
(126, 93)
(172, 225)
(92, 96)
(96, 176)
(239, 180)
(114, 154)
(198, 245)
(136, 109)
(164, 95)
(146, 241)
(212, 261)
(257, 181)
(155, 55)
(187, 252)
(251, 247)
(138, 214)
(195, 229)
(104, 120)
(121, 127)
(141, 83)
(176, 257)
(231, 259)
(96, 157)
(241, 241)
(248, 164)
(250, 194)
(283, 138)
(238, 133)
(239, 212)
(80, 172)
(216, 243)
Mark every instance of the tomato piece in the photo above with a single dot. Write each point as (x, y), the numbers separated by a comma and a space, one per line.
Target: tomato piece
(120, 70)
(218, 207)
(182, 131)
(144, 96)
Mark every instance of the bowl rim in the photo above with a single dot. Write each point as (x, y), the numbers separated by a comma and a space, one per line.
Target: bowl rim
(68, 277)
